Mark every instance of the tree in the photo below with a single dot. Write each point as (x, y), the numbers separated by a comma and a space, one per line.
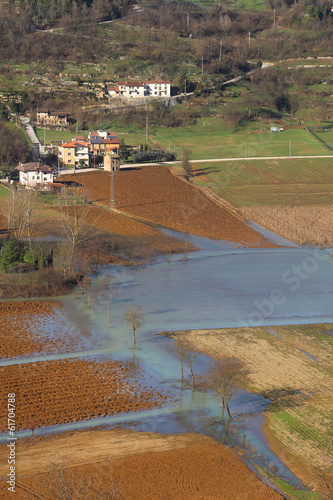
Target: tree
(108, 285)
(225, 376)
(10, 255)
(178, 349)
(186, 164)
(69, 483)
(20, 211)
(123, 150)
(74, 209)
(189, 357)
(134, 317)
(282, 103)
(30, 205)
(32, 424)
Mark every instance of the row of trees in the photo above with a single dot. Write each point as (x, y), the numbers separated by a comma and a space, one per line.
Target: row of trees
(224, 375)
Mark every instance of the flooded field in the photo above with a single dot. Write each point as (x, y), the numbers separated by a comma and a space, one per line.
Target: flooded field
(218, 286)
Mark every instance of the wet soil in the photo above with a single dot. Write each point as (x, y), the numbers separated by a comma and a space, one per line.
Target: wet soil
(60, 392)
(26, 329)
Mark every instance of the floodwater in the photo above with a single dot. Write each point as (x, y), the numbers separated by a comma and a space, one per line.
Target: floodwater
(218, 286)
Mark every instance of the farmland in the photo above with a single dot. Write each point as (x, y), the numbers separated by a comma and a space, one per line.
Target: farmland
(144, 465)
(210, 138)
(154, 194)
(291, 366)
(286, 181)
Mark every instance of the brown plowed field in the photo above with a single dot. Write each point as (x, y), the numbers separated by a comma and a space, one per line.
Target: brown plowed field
(59, 392)
(26, 326)
(144, 466)
(156, 195)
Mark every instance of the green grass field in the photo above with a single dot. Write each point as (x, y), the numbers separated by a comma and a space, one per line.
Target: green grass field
(4, 194)
(210, 139)
(56, 135)
(269, 182)
(326, 136)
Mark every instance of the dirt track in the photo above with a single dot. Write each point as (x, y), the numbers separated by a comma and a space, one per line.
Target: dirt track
(156, 195)
(144, 466)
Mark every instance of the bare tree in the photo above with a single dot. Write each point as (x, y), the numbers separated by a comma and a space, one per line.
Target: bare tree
(178, 349)
(225, 22)
(20, 212)
(31, 207)
(73, 483)
(32, 424)
(74, 209)
(108, 286)
(189, 357)
(186, 164)
(134, 317)
(225, 376)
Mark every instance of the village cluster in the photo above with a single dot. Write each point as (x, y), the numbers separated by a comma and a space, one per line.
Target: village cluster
(78, 152)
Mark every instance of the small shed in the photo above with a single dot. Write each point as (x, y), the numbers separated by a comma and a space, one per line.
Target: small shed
(276, 129)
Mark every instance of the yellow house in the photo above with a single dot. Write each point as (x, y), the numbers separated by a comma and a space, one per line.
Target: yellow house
(74, 152)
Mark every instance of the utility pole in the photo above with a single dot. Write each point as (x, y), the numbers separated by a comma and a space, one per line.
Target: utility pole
(290, 148)
(112, 200)
(249, 38)
(274, 18)
(188, 23)
(146, 128)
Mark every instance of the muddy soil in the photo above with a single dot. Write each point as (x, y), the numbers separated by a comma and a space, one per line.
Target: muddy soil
(26, 329)
(60, 392)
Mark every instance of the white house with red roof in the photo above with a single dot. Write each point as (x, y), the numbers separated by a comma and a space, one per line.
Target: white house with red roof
(35, 174)
(141, 89)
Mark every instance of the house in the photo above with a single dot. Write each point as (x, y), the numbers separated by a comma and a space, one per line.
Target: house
(102, 142)
(35, 174)
(52, 119)
(111, 162)
(74, 152)
(141, 89)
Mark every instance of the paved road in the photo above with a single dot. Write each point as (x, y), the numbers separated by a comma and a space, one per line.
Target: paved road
(136, 165)
(38, 149)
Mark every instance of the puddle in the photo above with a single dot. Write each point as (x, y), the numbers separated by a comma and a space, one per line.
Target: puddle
(276, 334)
(308, 355)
